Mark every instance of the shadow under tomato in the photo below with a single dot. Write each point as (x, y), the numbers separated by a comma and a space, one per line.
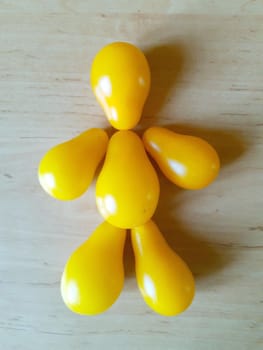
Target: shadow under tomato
(204, 258)
(128, 258)
(183, 237)
(166, 63)
(229, 144)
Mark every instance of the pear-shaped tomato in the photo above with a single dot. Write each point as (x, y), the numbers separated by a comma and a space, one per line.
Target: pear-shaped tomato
(127, 189)
(66, 170)
(120, 79)
(94, 274)
(164, 279)
(189, 162)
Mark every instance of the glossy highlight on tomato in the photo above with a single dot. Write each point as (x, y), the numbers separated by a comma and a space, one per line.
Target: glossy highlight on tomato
(127, 189)
(94, 274)
(66, 170)
(120, 80)
(165, 281)
(189, 162)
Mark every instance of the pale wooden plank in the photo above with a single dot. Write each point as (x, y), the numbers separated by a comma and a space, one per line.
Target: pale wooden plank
(206, 60)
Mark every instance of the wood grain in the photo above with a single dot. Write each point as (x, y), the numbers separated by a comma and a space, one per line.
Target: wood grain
(207, 69)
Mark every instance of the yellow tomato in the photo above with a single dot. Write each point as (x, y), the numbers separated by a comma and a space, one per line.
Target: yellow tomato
(164, 280)
(127, 189)
(94, 274)
(187, 161)
(120, 79)
(66, 170)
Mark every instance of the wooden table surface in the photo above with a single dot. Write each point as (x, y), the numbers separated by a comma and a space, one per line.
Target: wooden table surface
(207, 73)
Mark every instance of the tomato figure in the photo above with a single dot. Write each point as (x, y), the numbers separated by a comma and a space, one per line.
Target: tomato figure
(188, 161)
(127, 191)
(120, 80)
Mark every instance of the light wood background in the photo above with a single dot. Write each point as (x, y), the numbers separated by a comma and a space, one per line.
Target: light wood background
(207, 66)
